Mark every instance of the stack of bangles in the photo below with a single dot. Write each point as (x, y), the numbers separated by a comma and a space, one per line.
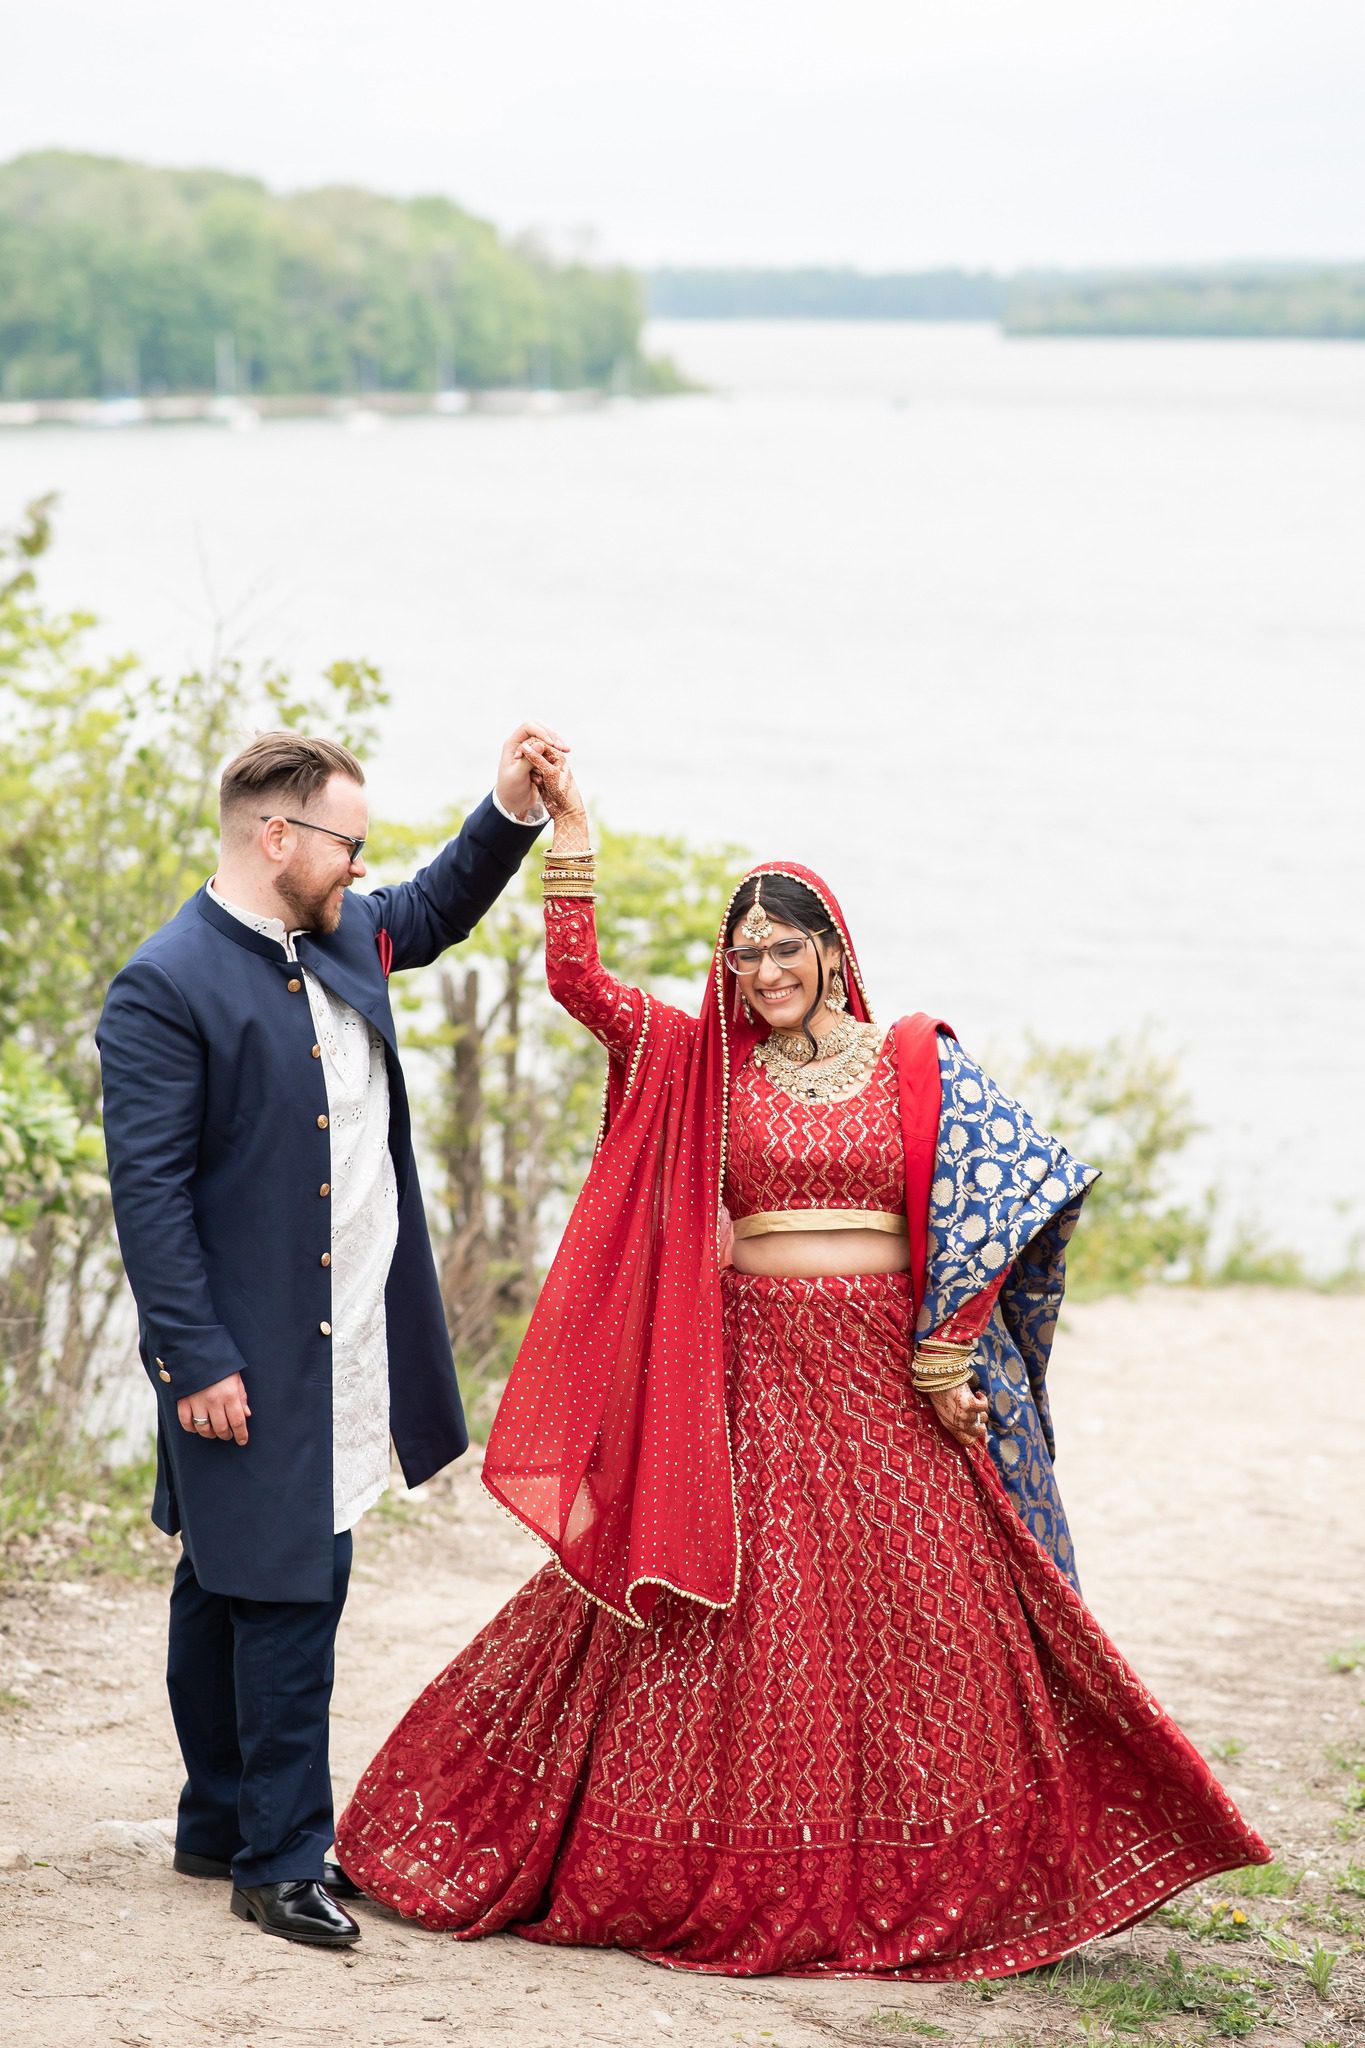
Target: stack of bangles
(939, 1366)
(570, 874)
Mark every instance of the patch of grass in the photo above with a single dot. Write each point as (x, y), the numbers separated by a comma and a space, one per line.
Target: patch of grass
(1220, 1921)
(1348, 1825)
(1128, 1995)
(1347, 1660)
(63, 1515)
(1352, 1880)
(1318, 1968)
(892, 2022)
(10, 1702)
(1262, 1881)
(1355, 1795)
(1336, 1919)
(1227, 1752)
(1317, 1963)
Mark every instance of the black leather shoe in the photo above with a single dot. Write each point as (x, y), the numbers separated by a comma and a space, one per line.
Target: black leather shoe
(338, 1884)
(300, 1909)
(333, 1876)
(199, 1866)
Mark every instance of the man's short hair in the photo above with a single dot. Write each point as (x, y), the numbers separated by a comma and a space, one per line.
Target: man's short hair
(283, 769)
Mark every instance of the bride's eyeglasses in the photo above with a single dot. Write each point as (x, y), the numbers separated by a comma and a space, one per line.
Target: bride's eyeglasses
(746, 960)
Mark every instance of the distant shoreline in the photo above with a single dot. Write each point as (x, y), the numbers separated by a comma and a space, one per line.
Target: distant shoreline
(1008, 333)
(1275, 302)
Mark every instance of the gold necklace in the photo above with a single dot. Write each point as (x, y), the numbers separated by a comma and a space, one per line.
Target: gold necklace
(794, 1046)
(836, 1079)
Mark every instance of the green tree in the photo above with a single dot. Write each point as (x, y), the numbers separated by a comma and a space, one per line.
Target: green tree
(1122, 1107)
(118, 277)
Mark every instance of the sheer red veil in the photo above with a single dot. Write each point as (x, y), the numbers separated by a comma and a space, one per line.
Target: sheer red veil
(611, 1441)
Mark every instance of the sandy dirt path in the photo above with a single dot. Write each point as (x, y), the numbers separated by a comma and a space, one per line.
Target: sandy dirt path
(1213, 1448)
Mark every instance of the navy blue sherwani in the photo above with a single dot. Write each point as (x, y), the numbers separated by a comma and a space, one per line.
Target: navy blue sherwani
(215, 1117)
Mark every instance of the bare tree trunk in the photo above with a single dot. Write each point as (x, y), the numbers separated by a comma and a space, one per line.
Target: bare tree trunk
(24, 1312)
(465, 1276)
(80, 1332)
(523, 1179)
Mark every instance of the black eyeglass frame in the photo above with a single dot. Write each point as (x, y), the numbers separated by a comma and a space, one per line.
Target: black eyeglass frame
(743, 973)
(357, 846)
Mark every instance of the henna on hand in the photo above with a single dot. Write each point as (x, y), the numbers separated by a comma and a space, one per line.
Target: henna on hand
(962, 1411)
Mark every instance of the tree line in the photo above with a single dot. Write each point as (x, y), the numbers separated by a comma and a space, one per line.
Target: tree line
(1325, 302)
(119, 278)
(1284, 303)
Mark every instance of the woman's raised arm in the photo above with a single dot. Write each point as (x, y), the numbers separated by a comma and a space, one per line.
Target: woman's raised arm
(611, 1009)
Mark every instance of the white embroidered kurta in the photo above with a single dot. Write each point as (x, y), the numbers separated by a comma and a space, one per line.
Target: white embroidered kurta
(364, 1216)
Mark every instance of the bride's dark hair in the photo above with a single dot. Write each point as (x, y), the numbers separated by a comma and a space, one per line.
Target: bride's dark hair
(789, 902)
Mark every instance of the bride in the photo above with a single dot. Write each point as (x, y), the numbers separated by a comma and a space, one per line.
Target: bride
(809, 1686)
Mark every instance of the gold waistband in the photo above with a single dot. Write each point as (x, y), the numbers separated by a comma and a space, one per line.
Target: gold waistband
(765, 1220)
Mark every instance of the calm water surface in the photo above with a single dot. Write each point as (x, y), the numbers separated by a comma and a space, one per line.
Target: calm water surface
(1048, 654)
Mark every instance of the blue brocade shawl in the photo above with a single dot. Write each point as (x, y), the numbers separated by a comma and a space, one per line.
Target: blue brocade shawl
(1005, 1194)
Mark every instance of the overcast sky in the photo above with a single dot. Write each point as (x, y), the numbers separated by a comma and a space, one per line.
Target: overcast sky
(886, 133)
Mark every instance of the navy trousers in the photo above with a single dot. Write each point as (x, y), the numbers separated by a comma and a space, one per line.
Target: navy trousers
(250, 1683)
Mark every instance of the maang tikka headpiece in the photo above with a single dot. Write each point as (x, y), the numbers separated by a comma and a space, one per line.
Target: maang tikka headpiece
(757, 925)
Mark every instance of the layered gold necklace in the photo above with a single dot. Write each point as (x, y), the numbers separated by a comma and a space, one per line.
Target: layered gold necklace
(836, 1070)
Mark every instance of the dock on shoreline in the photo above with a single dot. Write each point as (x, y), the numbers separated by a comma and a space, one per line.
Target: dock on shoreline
(243, 414)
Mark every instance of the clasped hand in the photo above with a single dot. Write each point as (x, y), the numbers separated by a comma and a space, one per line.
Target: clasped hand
(218, 1410)
(518, 785)
(962, 1412)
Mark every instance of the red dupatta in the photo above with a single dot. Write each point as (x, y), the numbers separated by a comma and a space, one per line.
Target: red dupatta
(611, 1442)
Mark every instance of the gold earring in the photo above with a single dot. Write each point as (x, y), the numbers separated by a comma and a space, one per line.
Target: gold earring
(837, 999)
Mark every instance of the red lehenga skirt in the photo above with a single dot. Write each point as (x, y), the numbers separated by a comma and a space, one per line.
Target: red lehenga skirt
(906, 1751)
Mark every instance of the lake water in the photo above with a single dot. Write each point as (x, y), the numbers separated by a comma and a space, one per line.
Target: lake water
(1049, 655)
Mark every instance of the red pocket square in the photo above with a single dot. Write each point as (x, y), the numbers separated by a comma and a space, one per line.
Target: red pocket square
(385, 945)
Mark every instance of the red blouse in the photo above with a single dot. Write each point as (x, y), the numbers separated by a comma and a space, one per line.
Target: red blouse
(783, 1154)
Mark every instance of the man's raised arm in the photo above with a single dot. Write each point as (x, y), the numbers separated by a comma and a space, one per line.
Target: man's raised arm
(444, 901)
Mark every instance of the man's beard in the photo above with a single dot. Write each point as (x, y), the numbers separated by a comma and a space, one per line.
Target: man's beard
(308, 910)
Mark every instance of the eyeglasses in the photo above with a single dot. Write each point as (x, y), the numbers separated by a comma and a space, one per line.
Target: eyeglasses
(746, 960)
(357, 846)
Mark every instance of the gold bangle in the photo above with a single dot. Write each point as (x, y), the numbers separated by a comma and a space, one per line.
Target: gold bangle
(568, 892)
(560, 853)
(940, 1386)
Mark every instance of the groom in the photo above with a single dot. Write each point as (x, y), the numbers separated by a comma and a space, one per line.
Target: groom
(268, 1212)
